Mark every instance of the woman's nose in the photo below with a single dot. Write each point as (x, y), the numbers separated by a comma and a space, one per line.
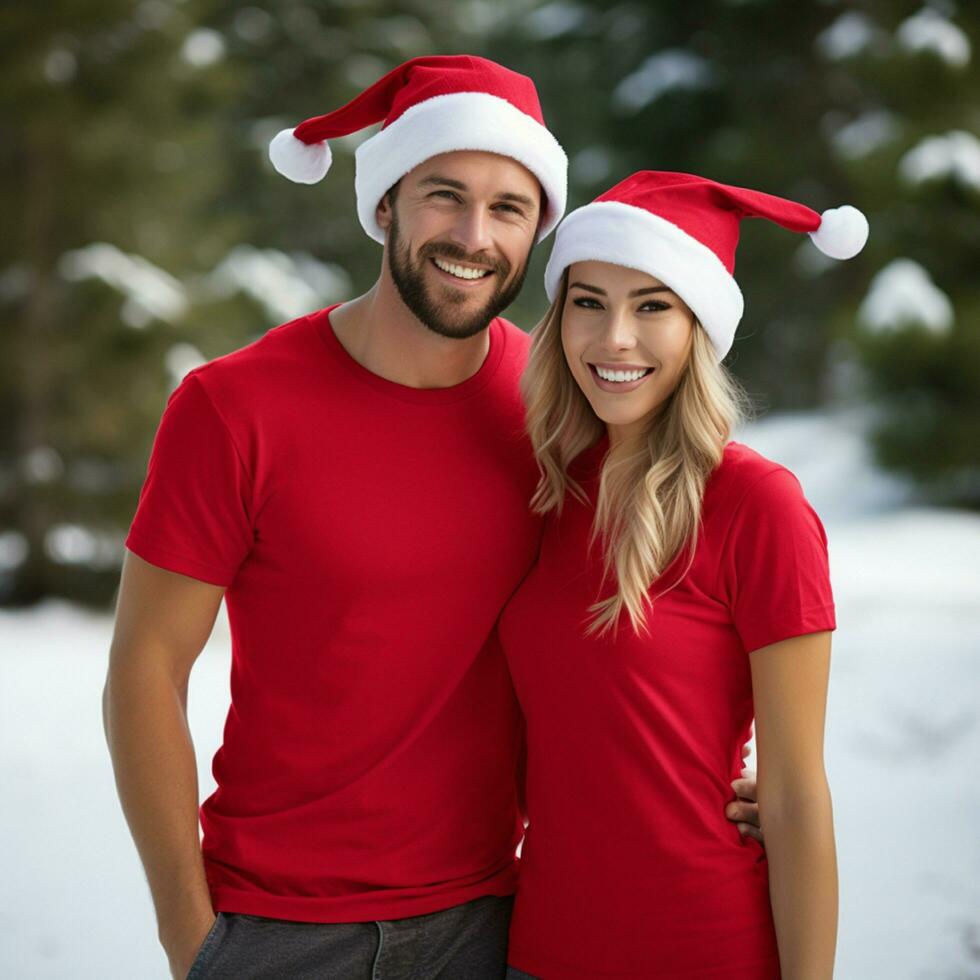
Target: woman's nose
(618, 333)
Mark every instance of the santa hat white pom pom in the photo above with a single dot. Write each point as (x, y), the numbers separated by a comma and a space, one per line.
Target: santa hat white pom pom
(842, 232)
(304, 163)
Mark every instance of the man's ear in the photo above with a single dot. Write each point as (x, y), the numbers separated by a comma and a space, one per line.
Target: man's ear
(384, 211)
(382, 214)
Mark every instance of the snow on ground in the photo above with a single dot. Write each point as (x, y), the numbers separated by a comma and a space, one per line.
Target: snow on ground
(902, 740)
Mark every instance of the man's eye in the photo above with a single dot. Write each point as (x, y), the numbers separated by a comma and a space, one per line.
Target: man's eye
(511, 208)
(448, 194)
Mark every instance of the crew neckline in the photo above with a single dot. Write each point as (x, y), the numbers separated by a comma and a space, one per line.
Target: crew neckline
(420, 396)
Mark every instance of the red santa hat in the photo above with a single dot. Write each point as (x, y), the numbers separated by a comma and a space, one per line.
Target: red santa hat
(429, 106)
(683, 229)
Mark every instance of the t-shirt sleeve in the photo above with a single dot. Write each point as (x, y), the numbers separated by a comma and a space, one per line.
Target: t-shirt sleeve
(193, 515)
(775, 569)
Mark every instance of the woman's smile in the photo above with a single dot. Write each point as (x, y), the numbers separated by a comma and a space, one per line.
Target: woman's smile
(619, 378)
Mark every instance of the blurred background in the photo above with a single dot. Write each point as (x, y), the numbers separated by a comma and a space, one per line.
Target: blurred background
(146, 233)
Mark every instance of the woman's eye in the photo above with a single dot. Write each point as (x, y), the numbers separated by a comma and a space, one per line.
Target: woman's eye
(587, 303)
(654, 307)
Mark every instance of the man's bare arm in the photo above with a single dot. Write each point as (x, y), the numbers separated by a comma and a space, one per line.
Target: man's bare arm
(162, 623)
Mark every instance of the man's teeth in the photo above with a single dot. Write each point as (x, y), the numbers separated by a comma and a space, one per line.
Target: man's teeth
(607, 375)
(460, 272)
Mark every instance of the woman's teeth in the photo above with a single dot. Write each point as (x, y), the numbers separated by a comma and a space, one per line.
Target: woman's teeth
(607, 375)
(459, 271)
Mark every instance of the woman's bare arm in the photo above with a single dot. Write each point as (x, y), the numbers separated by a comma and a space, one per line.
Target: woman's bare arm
(789, 685)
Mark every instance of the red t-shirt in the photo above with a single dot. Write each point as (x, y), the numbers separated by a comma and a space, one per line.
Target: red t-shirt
(630, 868)
(369, 534)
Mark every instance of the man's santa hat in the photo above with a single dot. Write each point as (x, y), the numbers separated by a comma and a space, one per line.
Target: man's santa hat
(429, 106)
(683, 229)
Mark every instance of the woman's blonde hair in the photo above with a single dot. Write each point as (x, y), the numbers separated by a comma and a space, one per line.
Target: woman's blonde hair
(650, 490)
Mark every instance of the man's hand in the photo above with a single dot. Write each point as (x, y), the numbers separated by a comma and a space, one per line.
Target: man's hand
(744, 811)
(182, 948)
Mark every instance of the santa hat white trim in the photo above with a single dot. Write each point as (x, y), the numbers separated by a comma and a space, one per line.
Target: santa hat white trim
(610, 231)
(458, 121)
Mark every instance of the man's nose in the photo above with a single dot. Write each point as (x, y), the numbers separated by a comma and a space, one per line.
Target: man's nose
(472, 230)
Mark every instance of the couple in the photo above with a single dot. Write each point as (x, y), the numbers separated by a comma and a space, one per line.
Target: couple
(474, 578)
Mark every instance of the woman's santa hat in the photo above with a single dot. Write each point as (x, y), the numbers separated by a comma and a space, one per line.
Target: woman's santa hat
(429, 106)
(683, 229)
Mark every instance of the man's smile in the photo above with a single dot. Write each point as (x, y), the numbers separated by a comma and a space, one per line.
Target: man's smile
(461, 273)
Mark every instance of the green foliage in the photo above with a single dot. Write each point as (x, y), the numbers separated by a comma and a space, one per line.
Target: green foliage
(143, 126)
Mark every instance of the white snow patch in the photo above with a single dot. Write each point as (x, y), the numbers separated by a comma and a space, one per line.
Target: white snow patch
(663, 72)
(180, 359)
(42, 464)
(553, 20)
(849, 35)
(287, 286)
(150, 292)
(73, 544)
(929, 30)
(13, 550)
(956, 155)
(903, 294)
(865, 134)
(203, 47)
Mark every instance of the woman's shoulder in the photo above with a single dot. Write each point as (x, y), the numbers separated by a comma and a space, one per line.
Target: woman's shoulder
(742, 462)
(744, 473)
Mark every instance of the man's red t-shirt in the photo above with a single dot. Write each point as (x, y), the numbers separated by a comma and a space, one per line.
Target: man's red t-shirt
(368, 534)
(630, 868)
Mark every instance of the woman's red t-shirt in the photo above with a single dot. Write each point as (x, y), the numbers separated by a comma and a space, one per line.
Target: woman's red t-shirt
(630, 867)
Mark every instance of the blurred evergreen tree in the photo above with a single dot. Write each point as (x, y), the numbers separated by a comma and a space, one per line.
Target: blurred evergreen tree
(907, 125)
(105, 160)
(147, 230)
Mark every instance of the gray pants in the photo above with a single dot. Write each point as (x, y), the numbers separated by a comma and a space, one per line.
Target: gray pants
(465, 942)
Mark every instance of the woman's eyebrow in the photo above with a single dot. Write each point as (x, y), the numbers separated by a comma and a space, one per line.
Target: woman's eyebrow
(636, 292)
(591, 289)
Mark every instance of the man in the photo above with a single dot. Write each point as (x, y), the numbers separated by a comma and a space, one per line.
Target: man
(355, 484)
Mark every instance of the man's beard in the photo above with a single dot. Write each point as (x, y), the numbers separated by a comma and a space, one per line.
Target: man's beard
(447, 318)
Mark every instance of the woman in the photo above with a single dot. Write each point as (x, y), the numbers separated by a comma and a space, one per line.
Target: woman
(682, 586)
